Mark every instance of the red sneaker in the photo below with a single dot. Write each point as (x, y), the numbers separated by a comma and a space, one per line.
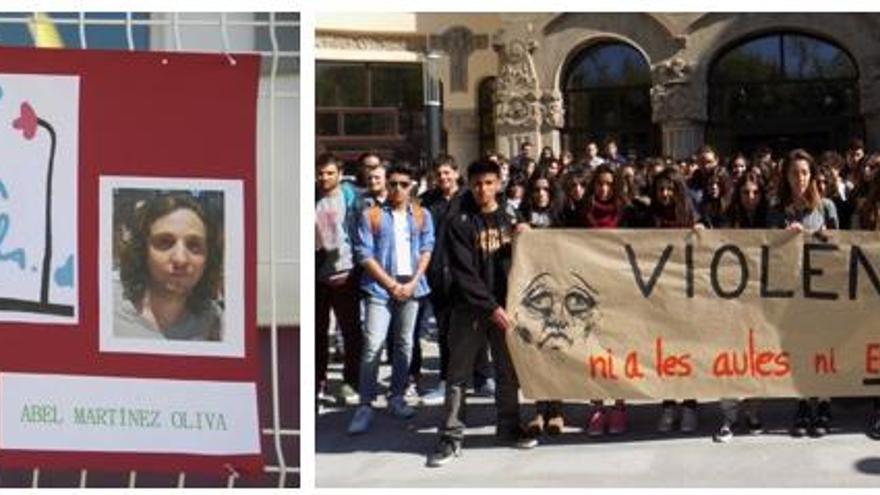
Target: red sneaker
(617, 420)
(596, 423)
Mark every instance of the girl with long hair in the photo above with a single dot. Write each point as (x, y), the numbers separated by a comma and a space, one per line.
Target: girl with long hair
(802, 208)
(602, 207)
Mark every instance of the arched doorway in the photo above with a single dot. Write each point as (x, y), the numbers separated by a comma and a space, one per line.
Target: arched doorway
(606, 91)
(784, 90)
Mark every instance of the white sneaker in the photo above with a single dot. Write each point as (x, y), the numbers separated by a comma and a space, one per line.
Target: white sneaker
(398, 407)
(360, 423)
(436, 396)
(411, 390)
(724, 434)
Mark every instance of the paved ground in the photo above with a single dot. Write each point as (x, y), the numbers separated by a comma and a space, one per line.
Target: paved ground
(392, 453)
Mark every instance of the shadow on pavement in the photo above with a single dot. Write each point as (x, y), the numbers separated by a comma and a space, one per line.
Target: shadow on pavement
(870, 465)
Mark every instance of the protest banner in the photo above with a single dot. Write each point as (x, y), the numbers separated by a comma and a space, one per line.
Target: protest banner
(127, 256)
(680, 314)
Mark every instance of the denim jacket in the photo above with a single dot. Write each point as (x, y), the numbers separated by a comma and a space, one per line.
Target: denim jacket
(380, 247)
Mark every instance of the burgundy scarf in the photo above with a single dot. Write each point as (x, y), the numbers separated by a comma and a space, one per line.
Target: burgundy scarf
(603, 215)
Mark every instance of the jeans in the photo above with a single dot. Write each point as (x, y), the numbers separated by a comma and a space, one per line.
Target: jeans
(482, 365)
(426, 311)
(379, 317)
(468, 332)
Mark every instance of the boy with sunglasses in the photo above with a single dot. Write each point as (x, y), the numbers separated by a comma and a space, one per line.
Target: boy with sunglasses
(393, 245)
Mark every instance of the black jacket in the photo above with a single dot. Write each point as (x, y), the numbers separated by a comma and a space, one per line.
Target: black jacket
(479, 248)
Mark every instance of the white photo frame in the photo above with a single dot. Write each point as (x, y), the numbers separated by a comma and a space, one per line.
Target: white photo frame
(232, 341)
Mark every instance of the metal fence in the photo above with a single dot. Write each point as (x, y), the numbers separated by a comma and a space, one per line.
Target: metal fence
(275, 37)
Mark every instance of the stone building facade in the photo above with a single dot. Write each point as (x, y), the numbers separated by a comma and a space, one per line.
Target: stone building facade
(530, 54)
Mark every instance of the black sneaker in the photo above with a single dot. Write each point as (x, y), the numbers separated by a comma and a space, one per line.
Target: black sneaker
(445, 451)
(525, 441)
(754, 426)
(874, 426)
(520, 439)
(822, 421)
(801, 420)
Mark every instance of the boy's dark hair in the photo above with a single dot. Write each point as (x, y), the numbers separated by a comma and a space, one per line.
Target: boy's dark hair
(707, 148)
(483, 167)
(402, 168)
(325, 159)
(856, 144)
(365, 155)
(444, 160)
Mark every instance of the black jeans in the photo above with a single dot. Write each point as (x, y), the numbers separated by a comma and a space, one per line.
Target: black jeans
(482, 365)
(442, 313)
(344, 301)
(468, 332)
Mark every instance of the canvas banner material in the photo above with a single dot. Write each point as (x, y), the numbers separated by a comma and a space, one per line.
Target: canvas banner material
(666, 314)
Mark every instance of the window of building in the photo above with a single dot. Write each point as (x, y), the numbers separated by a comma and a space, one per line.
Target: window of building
(784, 90)
(606, 90)
(370, 106)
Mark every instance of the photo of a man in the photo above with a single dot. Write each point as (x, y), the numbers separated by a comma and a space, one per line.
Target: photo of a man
(170, 270)
(173, 266)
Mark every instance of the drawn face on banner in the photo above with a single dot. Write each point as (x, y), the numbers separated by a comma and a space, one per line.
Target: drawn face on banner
(556, 311)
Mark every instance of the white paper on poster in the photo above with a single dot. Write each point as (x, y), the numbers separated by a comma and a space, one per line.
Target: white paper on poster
(38, 245)
(232, 340)
(110, 414)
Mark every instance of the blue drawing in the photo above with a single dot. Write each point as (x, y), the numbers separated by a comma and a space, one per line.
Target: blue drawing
(16, 255)
(64, 273)
(3, 193)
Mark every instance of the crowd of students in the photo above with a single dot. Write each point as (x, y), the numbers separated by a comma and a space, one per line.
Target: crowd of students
(388, 258)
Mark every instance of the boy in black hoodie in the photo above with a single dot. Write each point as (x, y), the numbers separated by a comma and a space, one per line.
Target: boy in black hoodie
(479, 241)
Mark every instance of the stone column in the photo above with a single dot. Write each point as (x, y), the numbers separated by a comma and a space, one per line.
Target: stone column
(870, 108)
(552, 120)
(682, 138)
(518, 111)
(679, 107)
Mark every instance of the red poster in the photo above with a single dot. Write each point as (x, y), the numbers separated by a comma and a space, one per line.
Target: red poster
(127, 261)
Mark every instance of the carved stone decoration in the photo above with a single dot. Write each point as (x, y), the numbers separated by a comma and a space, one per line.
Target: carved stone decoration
(672, 70)
(677, 101)
(517, 98)
(370, 41)
(674, 97)
(552, 111)
(459, 42)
